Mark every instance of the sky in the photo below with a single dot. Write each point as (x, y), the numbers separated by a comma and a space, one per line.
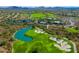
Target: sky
(46, 3)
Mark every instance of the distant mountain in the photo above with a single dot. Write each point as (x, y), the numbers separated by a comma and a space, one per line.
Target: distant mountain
(39, 8)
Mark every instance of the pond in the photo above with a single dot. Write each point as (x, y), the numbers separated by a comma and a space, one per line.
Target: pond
(20, 34)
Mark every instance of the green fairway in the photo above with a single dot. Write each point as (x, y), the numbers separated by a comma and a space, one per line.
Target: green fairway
(40, 44)
(35, 16)
(35, 46)
(72, 30)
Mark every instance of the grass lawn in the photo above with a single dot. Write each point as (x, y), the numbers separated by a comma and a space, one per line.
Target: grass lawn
(41, 15)
(72, 30)
(38, 15)
(34, 46)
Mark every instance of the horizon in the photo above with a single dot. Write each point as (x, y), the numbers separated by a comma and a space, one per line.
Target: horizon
(41, 6)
